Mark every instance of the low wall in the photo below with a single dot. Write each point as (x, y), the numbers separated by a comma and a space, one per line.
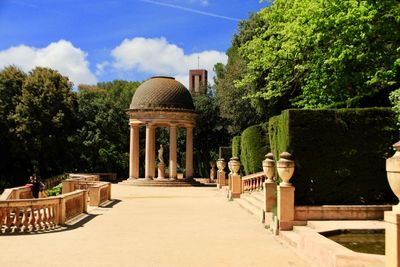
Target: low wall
(18, 215)
(340, 212)
(21, 192)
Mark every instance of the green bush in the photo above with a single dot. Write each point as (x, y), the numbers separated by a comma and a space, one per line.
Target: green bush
(55, 191)
(253, 146)
(236, 146)
(340, 154)
(225, 152)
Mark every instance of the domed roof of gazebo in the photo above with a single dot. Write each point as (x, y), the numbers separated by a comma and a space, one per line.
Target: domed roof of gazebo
(162, 93)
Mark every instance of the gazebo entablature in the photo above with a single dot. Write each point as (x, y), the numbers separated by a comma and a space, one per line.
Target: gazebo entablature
(162, 118)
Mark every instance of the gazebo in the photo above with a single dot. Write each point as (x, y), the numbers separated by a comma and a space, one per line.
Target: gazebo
(160, 102)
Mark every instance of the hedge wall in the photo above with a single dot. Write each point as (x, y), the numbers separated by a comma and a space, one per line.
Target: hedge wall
(236, 146)
(340, 154)
(253, 147)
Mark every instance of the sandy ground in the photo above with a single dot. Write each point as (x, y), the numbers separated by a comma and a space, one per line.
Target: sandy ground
(155, 227)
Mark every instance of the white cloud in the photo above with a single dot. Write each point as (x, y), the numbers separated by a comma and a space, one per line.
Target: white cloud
(62, 56)
(158, 57)
(100, 67)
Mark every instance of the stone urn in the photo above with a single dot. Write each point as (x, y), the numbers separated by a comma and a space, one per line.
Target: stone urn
(269, 167)
(234, 165)
(221, 164)
(285, 168)
(393, 174)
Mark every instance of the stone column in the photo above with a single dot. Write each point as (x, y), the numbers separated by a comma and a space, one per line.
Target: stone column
(285, 207)
(150, 152)
(392, 239)
(134, 153)
(172, 152)
(189, 152)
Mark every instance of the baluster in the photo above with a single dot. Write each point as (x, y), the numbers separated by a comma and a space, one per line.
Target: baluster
(8, 218)
(52, 213)
(18, 218)
(32, 220)
(26, 219)
(45, 217)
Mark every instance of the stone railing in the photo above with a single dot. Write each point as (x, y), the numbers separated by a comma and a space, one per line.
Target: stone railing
(84, 176)
(253, 182)
(18, 215)
(98, 192)
(21, 192)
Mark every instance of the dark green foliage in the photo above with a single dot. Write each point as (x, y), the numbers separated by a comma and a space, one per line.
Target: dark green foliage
(236, 146)
(37, 114)
(254, 145)
(225, 152)
(340, 154)
(209, 133)
(102, 137)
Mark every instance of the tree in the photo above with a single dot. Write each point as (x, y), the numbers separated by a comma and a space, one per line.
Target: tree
(11, 80)
(43, 120)
(102, 138)
(325, 53)
(209, 133)
(231, 100)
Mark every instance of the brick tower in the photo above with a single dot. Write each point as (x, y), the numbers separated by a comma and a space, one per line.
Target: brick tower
(198, 81)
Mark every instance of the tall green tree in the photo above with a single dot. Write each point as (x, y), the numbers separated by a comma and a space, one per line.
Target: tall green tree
(325, 53)
(102, 138)
(11, 81)
(209, 134)
(231, 100)
(43, 120)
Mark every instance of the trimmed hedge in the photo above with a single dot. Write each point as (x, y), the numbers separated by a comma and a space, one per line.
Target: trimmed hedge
(236, 146)
(253, 147)
(340, 154)
(225, 152)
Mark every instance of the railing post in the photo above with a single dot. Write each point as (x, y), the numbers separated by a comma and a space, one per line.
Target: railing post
(236, 180)
(221, 180)
(84, 202)
(285, 190)
(392, 218)
(269, 185)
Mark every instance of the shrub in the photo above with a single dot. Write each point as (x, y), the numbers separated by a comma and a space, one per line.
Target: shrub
(253, 146)
(236, 146)
(340, 154)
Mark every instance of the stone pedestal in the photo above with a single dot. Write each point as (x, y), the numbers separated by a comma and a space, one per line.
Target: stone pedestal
(269, 196)
(221, 179)
(285, 207)
(236, 185)
(392, 239)
(161, 171)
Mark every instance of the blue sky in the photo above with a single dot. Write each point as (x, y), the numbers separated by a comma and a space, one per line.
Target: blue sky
(102, 40)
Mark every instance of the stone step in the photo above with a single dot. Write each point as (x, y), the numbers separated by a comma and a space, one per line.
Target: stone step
(257, 195)
(164, 183)
(253, 201)
(250, 208)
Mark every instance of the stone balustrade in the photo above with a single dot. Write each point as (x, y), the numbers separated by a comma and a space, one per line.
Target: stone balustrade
(21, 192)
(253, 182)
(18, 215)
(98, 192)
